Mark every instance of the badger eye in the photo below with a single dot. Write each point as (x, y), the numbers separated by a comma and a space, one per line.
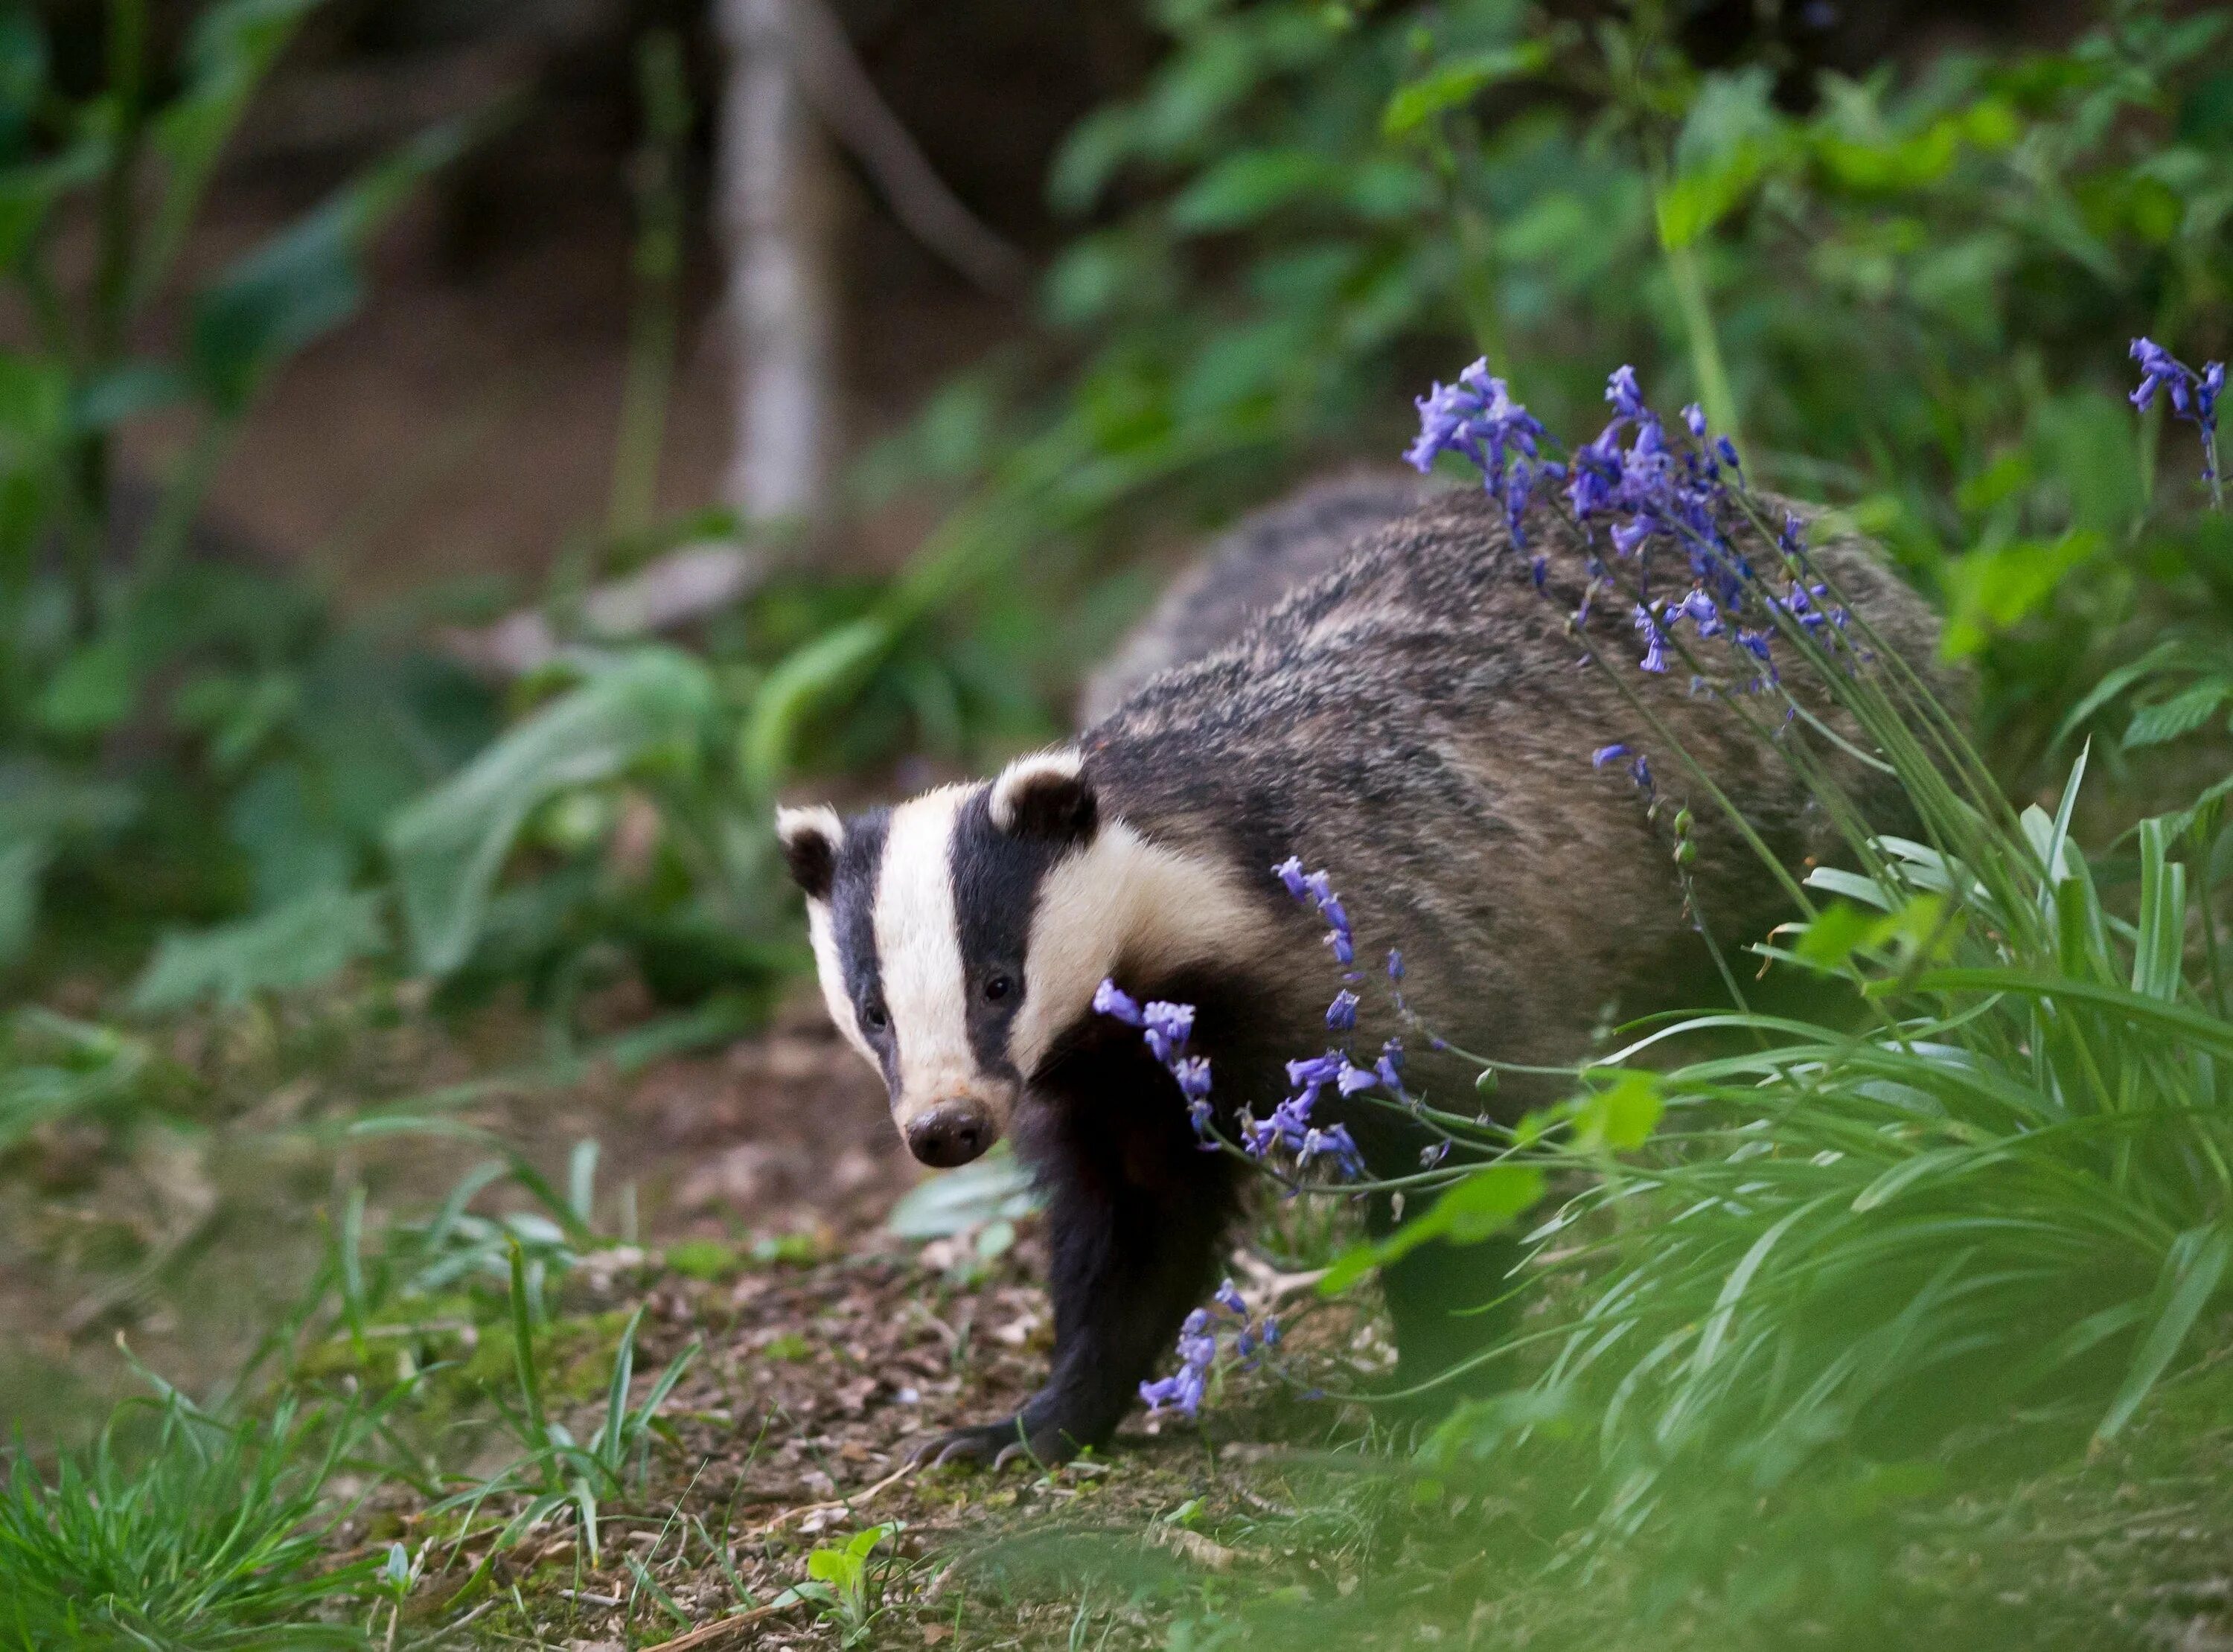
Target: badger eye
(876, 1015)
(999, 988)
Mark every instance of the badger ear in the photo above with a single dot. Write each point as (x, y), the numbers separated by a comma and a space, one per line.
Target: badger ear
(809, 839)
(1045, 796)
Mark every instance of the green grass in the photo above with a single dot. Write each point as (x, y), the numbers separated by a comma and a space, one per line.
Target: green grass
(179, 1530)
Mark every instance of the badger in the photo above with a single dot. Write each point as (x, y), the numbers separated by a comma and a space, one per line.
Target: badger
(1413, 719)
(1268, 554)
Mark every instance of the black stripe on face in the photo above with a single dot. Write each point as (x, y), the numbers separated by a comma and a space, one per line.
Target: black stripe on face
(853, 927)
(996, 886)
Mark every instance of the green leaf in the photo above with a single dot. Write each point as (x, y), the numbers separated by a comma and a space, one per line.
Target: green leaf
(994, 1188)
(1485, 1203)
(1992, 589)
(449, 846)
(2192, 1273)
(230, 48)
(2181, 713)
(304, 281)
(292, 946)
(1244, 188)
(1620, 1117)
(1450, 85)
(92, 691)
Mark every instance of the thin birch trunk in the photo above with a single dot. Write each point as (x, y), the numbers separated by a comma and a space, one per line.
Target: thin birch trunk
(778, 211)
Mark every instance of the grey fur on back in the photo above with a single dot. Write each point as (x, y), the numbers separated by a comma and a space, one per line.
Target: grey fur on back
(1417, 721)
(1244, 574)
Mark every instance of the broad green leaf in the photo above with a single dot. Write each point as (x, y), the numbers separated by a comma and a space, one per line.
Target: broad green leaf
(1620, 1117)
(306, 942)
(304, 281)
(92, 690)
(996, 1187)
(2181, 713)
(1485, 1203)
(1451, 85)
(450, 845)
(1991, 589)
(2159, 947)
(1246, 187)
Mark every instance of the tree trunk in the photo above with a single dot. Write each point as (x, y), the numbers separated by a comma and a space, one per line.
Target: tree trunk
(778, 201)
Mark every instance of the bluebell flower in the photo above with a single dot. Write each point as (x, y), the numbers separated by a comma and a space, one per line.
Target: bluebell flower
(1389, 1067)
(1166, 1028)
(1333, 1144)
(1477, 418)
(1703, 613)
(1655, 640)
(1109, 999)
(1341, 1014)
(2193, 395)
(1622, 390)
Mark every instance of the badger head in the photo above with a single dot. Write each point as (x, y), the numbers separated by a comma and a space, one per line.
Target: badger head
(959, 936)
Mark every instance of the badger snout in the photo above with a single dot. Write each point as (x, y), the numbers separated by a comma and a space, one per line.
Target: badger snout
(951, 1133)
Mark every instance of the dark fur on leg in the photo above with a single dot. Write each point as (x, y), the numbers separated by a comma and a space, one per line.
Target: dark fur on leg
(1135, 1212)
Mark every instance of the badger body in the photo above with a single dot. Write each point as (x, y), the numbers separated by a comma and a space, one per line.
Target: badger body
(1249, 570)
(1416, 721)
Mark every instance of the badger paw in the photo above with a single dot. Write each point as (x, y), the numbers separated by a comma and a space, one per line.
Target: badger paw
(996, 1444)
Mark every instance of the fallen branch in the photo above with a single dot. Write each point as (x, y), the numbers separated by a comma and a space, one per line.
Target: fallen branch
(672, 590)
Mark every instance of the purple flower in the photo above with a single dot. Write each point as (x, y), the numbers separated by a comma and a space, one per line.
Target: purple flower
(1389, 1067)
(1703, 613)
(1341, 1014)
(1110, 999)
(1167, 1027)
(1477, 418)
(1626, 396)
(1655, 640)
(2193, 395)
(1333, 1144)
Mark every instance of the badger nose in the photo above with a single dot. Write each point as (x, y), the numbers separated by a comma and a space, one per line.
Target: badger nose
(951, 1133)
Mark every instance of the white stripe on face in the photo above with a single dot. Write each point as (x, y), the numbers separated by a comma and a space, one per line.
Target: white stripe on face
(1123, 902)
(919, 953)
(829, 970)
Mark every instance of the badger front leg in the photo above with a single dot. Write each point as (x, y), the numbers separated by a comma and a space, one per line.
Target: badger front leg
(1131, 1257)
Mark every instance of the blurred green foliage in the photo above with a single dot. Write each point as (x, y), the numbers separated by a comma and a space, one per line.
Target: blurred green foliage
(1910, 297)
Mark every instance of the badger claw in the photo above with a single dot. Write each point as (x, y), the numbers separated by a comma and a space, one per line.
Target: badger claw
(994, 1445)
